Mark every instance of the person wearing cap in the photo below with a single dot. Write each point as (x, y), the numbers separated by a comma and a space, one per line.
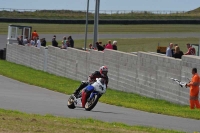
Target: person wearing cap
(191, 50)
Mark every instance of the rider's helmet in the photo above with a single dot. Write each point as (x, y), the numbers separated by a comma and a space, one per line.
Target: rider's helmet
(103, 71)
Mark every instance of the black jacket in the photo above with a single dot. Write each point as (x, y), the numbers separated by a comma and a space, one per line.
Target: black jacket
(54, 43)
(99, 47)
(96, 74)
(114, 47)
(43, 43)
(178, 55)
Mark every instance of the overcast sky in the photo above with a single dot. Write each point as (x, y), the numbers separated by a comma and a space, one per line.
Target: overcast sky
(149, 5)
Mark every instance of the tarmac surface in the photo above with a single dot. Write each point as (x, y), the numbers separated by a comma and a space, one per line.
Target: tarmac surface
(15, 95)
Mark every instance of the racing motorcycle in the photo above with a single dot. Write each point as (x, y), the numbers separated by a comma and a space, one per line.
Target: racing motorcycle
(89, 96)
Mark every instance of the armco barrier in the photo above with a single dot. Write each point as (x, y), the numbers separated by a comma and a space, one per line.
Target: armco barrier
(102, 21)
(147, 74)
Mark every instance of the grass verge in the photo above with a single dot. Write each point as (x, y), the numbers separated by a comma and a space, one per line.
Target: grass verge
(80, 28)
(119, 98)
(15, 122)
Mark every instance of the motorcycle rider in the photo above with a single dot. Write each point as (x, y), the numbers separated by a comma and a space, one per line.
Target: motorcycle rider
(102, 73)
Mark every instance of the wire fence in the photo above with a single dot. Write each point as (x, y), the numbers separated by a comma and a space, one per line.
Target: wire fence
(103, 14)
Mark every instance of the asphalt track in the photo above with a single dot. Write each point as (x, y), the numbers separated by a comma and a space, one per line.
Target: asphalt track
(59, 37)
(15, 95)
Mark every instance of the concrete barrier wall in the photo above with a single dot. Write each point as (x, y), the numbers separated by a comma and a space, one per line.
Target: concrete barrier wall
(71, 63)
(26, 55)
(147, 74)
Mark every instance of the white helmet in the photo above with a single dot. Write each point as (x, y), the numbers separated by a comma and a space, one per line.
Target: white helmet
(103, 70)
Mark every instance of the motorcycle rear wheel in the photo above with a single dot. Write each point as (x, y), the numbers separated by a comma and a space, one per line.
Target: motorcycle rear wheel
(70, 102)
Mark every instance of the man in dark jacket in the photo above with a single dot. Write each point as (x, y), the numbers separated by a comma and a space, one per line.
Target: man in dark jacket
(99, 47)
(43, 43)
(54, 42)
(114, 45)
(102, 73)
(71, 41)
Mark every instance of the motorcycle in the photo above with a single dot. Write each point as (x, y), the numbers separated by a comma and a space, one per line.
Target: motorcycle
(89, 96)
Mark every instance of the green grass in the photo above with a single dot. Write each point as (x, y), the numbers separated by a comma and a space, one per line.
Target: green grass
(78, 28)
(141, 44)
(15, 122)
(67, 86)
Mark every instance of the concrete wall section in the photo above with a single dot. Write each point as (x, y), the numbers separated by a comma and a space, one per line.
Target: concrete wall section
(95, 59)
(147, 74)
(80, 63)
(168, 68)
(37, 57)
(26, 55)
(127, 72)
(111, 60)
(51, 60)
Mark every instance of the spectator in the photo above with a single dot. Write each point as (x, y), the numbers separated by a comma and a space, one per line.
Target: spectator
(169, 50)
(20, 42)
(114, 45)
(109, 45)
(177, 53)
(35, 34)
(71, 41)
(194, 89)
(43, 43)
(25, 41)
(54, 42)
(32, 42)
(99, 47)
(90, 46)
(38, 44)
(173, 50)
(64, 43)
(68, 43)
(191, 50)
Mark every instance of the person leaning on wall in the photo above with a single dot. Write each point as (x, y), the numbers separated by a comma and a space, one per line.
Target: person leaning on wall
(177, 52)
(169, 50)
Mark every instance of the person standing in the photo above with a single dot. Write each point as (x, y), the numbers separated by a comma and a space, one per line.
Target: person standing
(54, 42)
(191, 50)
(114, 45)
(71, 41)
(38, 44)
(35, 34)
(177, 53)
(169, 50)
(194, 89)
(109, 45)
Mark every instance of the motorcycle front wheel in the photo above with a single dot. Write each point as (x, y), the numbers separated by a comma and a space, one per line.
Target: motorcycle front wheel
(92, 103)
(70, 102)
